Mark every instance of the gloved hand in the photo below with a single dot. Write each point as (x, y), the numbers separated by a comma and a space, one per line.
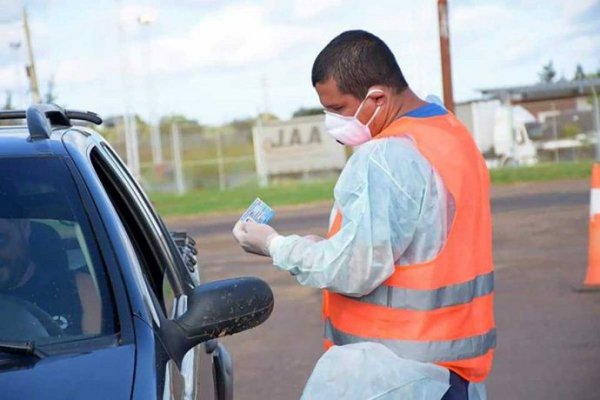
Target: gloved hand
(254, 238)
(314, 238)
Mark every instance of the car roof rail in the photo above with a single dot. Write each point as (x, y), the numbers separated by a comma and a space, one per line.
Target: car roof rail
(42, 117)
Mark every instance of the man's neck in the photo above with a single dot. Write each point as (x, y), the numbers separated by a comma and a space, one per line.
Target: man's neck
(403, 103)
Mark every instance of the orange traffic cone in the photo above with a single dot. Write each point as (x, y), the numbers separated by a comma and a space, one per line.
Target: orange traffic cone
(592, 278)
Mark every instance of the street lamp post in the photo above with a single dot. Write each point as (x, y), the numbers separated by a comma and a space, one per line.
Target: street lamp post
(129, 123)
(145, 20)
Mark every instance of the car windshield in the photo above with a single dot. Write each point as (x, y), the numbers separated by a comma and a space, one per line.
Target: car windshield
(53, 285)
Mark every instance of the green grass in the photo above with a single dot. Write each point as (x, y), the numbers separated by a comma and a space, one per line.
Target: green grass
(205, 201)
(208, 201)
(542, 172)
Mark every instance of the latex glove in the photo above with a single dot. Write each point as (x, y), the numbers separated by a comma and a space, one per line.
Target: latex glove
(314, 238)
(254, 238)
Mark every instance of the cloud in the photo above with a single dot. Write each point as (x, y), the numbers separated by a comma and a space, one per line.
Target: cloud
(584, 19)
(10, 32)
(476, 18)
(513, 36)
(500, 44)
(79, 70)
(130, 13)
(228, 41)
(11, 10)
(579, 8)
(304, 9)
(238, 35)
(7, 78)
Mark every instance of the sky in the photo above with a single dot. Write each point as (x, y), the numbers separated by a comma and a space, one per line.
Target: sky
(215, 61)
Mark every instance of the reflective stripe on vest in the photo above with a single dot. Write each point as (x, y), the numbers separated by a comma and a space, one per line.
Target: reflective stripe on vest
(432, 351)
(425, 300)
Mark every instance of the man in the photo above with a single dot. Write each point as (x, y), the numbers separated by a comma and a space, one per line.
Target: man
(407, 262)
(69, 297)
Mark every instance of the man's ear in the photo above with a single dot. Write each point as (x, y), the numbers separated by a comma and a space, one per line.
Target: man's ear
(379, 94)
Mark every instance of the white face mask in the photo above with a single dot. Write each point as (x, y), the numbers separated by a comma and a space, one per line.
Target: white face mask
(349, 130)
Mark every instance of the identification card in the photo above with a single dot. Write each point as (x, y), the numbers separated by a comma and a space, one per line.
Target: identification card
(259, 212)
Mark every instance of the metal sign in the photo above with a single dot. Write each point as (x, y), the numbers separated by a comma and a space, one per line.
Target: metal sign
(299, 145)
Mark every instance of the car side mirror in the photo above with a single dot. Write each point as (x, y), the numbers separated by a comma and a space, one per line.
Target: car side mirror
(217, 309)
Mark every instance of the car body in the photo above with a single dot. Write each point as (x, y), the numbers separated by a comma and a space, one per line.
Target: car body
(148, 327)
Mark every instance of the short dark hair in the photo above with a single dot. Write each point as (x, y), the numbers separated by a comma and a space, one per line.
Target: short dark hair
(358, 60)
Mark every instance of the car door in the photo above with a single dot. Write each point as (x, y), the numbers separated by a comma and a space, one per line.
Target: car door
(72, 313)
(164, 273)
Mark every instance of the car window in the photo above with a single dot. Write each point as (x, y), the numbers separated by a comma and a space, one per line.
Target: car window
(147, 239)
(178, 265)
(53, 282)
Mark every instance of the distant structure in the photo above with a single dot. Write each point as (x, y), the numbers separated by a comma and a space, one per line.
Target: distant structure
(297, 148)
(546, 121)
(571, 102)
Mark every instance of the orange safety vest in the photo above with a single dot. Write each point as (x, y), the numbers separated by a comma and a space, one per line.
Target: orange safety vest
(440, 311)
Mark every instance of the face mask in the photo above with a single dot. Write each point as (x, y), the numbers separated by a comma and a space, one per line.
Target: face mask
(349, 130)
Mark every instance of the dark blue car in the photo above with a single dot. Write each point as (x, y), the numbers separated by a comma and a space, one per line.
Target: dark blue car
(98, 300)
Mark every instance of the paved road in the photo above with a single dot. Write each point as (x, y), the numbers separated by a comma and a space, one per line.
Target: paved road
(311, 217)
(548, 334)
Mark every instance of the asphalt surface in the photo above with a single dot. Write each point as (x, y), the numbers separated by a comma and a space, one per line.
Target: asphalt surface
(313, 217)
(548, 333)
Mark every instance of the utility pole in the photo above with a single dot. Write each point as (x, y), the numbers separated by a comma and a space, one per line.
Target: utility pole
(264, 84)
(31, 74)
(445, 54)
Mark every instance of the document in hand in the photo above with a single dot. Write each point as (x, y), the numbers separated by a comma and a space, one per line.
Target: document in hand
(259, 212)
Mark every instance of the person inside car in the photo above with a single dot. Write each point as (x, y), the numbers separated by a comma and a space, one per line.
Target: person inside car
(34, 270)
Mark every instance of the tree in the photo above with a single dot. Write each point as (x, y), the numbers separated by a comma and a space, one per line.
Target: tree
(579, 74)
(186, 125)
(266, 116)
(548, 73)
(570, 130)
(301, 112)
(242, 125)
(167, 120)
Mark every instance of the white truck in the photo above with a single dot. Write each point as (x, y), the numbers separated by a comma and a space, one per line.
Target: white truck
(500, 131)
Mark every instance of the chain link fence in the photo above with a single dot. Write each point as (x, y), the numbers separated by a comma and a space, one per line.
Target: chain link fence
(196, 157)
(193, 157)
(566, 133)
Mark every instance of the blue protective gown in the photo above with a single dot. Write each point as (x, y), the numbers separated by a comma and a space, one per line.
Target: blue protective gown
(396, 210)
